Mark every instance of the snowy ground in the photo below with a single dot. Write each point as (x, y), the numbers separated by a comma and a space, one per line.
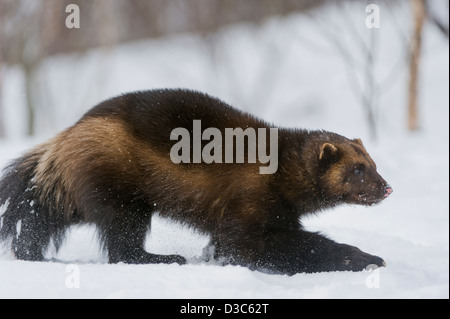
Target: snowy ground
(305, 86)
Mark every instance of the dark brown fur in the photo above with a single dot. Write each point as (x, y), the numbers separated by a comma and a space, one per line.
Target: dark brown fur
(113, 169)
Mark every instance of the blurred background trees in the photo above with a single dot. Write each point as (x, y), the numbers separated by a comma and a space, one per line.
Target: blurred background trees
(422, 10)
(33, 30)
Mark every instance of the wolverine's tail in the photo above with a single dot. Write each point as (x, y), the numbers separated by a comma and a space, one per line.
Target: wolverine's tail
(22, 217)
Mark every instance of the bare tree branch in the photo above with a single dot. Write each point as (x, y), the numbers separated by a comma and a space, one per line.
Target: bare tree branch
(419, 16)
(367, 91)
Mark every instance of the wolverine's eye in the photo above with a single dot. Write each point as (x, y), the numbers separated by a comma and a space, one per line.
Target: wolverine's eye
(359, 169)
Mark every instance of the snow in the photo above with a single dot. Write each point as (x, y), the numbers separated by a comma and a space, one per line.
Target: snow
(304, 85)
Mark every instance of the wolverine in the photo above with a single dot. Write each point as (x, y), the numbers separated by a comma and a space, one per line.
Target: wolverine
(113, 169)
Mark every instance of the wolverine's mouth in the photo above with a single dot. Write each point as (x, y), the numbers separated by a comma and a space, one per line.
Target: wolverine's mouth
(365, 199)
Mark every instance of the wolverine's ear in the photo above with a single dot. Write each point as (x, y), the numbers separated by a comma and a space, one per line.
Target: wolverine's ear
(358, 140)
(327, 151)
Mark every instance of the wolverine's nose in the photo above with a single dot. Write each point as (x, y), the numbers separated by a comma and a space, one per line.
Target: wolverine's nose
(388, 191)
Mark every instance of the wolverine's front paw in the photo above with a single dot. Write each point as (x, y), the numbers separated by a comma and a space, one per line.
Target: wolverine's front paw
(357, 260)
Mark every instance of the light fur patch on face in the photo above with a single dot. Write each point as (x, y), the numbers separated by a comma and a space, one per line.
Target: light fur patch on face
(353, 153)
(335, 180)
(362, 152)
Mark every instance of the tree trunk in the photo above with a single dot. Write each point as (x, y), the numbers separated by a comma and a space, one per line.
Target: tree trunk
(30, 89)
(2, 114)
(418, 8)
(2, 117)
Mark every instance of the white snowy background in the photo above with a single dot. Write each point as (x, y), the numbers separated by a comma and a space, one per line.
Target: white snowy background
(286, 71)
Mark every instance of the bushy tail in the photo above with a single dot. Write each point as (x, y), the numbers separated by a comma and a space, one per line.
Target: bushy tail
(21, 216)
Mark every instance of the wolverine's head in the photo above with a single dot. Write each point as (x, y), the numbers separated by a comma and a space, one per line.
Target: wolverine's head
(348, 173)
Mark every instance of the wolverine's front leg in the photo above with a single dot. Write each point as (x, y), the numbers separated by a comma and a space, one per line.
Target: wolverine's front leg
(285, 250)
(300, 251)
(290, 252)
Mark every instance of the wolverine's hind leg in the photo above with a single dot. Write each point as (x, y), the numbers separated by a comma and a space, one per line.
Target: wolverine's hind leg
(125, 237)
(23, 220)
(31, 239)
